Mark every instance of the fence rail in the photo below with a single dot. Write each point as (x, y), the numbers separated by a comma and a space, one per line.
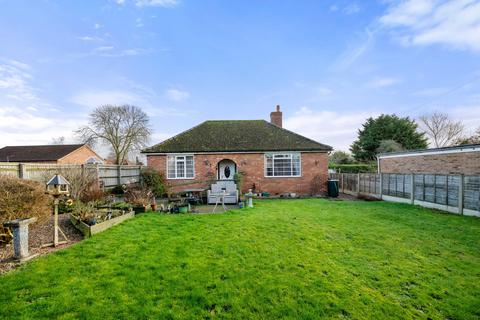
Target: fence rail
(108, 175)
(454, 193)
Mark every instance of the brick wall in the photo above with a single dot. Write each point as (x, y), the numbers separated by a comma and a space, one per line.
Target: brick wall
(252, 165)
(455, 163)
(79, 156)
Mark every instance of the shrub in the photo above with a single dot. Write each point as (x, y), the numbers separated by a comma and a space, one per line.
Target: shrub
(122, 206)
(94, 193)
(23, 199)
(353, 168)
(80, 179)
(84, 211)
(153, 180)
(138, 195)
(65, 205)
(238, 178)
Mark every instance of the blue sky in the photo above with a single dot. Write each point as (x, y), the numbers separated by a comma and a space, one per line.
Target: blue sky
(329, 64)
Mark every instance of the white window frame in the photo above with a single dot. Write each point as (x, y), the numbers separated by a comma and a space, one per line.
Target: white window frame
(184, 156)
(289, 154)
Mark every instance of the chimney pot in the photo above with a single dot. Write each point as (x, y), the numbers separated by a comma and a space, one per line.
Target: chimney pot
(276, 117)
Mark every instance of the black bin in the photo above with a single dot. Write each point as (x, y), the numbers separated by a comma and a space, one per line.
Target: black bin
(332, 188)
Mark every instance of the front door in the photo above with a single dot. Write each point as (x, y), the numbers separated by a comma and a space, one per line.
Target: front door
(226, 170)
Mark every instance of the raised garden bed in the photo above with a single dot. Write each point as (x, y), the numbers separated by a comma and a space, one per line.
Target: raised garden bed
(90, 230)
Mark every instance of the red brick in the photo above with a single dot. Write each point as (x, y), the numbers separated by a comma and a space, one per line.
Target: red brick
(453, 163)
(252, 166)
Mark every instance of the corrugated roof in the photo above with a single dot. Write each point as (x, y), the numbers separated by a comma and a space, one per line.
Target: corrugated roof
(36, 153)
(236, 136)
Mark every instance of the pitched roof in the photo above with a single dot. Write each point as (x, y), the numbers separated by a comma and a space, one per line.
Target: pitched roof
(236, 136)
(36, 153)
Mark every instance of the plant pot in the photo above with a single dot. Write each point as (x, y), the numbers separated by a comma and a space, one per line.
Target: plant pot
(183, 209)
(154, 206)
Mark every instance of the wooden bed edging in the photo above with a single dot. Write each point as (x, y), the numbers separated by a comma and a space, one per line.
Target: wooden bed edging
(89, 231)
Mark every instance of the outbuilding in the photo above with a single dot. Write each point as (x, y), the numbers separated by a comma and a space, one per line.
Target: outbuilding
(463, 159)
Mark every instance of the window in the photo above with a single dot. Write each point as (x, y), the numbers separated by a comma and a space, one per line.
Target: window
(282, 165)
(180, 167)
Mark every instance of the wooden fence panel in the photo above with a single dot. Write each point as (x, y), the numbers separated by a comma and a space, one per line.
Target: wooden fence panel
(9, 169)
(440, 191)
(107, 174)
(453, 188)
(471, 191)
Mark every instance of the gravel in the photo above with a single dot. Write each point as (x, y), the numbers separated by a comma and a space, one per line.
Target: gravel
(40, 234)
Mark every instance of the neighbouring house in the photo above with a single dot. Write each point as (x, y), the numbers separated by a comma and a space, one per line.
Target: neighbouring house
(450, 160)
(59, 154)
(267, 157)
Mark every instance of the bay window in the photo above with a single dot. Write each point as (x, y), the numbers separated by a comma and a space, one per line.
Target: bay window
(180, 167)
(282, 165)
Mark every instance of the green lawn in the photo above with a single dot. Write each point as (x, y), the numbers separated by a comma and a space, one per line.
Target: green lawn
(297, 259)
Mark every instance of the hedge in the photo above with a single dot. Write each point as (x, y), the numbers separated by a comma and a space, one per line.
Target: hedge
(353, 168)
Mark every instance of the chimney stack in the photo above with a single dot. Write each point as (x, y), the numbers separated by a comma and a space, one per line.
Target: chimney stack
(276, 117)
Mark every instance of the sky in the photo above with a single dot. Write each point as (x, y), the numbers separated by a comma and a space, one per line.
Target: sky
(329, 64)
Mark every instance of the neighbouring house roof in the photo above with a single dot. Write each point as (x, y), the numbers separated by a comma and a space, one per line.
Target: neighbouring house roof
(420, 152)
(36, 153)
(236, 136)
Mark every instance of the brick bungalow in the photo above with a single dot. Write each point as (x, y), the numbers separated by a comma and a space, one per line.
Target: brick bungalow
(268, 157)
(450, 160)
(58, 154)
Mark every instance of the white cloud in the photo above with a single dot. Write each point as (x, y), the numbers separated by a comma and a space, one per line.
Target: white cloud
(382, 82)
(333, 8)
(354, 52)
(26, 122)
(430, 92)
(338, 129)
(452, 23)
(468, 114)
(177, 95)
(97, 26)
(137, 95)
(90, 38)
(351, 9)
(15, 78)
(157, 3)
(139, 23)
(112, 52)
(26, 118)
(323, 91)
(96, 98)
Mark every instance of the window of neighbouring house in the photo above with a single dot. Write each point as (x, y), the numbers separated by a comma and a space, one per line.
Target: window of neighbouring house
(282, 165)
(180, 167)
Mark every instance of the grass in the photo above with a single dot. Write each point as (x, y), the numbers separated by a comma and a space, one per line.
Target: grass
(297, 259)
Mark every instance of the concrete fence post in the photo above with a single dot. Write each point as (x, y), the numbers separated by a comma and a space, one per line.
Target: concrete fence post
(460, 194)
(97, 173)
(412, 188)
(381, 186)
(82, 168)
(343, 184)
(22, 171)
(119, 174)
(358, 183)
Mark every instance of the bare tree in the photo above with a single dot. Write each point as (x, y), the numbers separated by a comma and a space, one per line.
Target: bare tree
(442, 130)
(58, 140)
(124, 128)
(473, 139)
